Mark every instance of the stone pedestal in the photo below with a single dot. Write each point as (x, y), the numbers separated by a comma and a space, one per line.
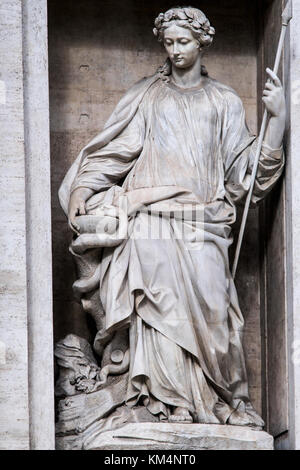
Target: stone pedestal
(166, 436)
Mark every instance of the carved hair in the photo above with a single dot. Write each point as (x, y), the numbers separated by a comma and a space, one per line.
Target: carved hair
(186, 17)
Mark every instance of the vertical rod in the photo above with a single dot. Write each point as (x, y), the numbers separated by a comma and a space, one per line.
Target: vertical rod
(256, 159)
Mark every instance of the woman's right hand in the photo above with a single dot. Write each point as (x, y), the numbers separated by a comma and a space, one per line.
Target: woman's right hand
(77, 206)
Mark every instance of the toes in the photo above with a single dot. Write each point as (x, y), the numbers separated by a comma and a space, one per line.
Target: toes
(180, 419)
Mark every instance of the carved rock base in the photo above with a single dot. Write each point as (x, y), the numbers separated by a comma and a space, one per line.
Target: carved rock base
(166, 436)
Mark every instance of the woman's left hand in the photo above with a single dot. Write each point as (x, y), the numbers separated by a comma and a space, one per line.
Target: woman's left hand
(273, 96)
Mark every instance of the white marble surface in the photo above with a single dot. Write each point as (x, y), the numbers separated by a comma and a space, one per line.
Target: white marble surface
(38, 224)
(14, 405)
(291, 440)
(166, 436)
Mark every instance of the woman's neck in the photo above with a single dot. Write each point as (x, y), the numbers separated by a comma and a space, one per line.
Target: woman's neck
(189, 77)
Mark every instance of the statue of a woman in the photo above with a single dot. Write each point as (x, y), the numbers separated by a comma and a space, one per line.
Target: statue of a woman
(177, 139)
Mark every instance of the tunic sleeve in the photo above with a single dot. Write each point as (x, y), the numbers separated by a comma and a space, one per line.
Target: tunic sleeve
(238, 150)
(104, 168)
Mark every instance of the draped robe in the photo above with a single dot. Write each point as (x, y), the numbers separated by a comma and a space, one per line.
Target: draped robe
(174, 149)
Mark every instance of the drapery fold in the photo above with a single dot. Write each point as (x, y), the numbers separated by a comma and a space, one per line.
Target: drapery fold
(177, 149)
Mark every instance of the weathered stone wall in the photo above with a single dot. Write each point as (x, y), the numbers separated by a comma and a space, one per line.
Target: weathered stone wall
(273, 241)
(291, 439)
(97, 50)
(14, 406)
(26, 346)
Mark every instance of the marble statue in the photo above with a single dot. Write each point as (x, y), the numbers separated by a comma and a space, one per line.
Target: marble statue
(176, 152)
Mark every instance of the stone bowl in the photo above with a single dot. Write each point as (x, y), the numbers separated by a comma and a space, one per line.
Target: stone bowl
(97, 224)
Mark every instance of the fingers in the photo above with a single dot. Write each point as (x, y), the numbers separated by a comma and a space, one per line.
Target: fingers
(74, 227)
(71, 221)
(76, 207)
(273, 92)
(82, 210)
(270, 86)
(274, 77)
(268, 98)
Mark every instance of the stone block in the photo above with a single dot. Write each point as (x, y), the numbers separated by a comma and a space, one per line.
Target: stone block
(169, 436)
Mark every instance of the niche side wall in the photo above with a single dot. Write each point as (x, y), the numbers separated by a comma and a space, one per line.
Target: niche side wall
(273, 250)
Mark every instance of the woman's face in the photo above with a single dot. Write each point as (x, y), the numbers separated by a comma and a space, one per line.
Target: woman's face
(181, 46)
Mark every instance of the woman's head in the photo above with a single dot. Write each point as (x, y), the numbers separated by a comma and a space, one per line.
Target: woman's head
(188, 18)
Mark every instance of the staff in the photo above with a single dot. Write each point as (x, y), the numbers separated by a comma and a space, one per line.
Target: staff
(286, 18)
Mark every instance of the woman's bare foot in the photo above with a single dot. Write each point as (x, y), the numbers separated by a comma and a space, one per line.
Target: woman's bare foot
(180, 415)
